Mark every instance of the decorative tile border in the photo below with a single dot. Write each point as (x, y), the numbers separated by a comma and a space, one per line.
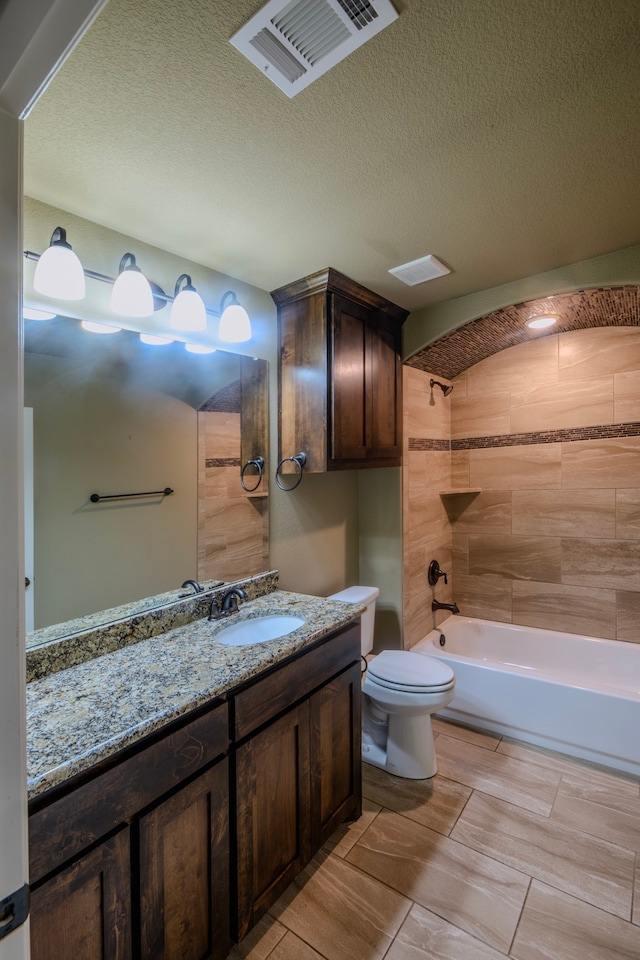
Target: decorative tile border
(222, 462)
(455, 352)
(570, 434)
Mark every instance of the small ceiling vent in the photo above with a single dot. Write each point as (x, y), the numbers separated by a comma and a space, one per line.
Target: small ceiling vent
(418, 271)
(295, 43)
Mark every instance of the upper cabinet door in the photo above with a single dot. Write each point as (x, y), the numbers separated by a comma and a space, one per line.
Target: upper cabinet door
(340, 383)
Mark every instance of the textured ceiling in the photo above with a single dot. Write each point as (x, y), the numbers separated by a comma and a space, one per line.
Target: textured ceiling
(501, 136)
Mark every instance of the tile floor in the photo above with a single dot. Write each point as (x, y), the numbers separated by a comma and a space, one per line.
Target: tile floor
(510, 851)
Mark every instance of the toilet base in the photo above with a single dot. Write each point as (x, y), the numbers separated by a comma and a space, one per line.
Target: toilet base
(409, 750)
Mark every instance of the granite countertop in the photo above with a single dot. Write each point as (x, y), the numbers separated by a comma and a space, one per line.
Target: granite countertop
(79, 716)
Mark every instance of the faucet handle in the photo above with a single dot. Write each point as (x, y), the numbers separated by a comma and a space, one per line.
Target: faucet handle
(434, 573)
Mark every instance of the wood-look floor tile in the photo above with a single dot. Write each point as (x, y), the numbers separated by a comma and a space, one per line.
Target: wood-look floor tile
(424, 936)
(526, 785)
(597, 871)
(481, 738)
(555, 926)
(602, 810)
(572, 766)
(635, 915)
(348, 834)
(259, 942)
(470, 890)
(293, 948)
(436, 803)
(340, 912)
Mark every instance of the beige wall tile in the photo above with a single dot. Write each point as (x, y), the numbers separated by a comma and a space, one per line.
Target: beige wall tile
(517, 558)
(628, 616)
(428, 470)
(626, 392)
(427, 412)
(574, 403)
(459, 468)
(565, 513)
(488, 598)
(480, 416)
(601, 463)
(628, 514)
(516, 468)
(611, 564)
(555, 606)
(570, 929)
(460, 385)
(460, 553)
(515, 367)
(489, 512)
(598, 351)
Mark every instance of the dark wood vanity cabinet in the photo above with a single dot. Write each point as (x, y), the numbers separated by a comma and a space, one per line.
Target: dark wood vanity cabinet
(340, 374)
(172, 848)
(134, 862)
(298, 773)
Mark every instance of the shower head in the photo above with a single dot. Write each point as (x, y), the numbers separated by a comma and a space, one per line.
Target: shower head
(446, 388)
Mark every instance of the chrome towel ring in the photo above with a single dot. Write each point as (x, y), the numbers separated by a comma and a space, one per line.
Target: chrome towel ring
(258, 463)
(299, 459)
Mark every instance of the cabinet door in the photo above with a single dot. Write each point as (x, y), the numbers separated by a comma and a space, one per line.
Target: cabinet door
(348, 400)
(84, 911)
(335, 754)
(184, 872)
(273, 813)
(384, 391)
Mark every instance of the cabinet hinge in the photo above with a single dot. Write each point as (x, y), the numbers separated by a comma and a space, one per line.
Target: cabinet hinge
(14, 910)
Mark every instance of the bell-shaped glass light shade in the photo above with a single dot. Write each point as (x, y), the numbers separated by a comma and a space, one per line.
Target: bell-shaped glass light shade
(30, 313)
(198, 348)
(154, 340)
(94, 326)
(188, 311)
(235, 325)
(59, 273)
(131, 295)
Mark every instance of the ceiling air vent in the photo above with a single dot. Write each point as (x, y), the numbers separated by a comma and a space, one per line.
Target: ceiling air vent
(295, 43)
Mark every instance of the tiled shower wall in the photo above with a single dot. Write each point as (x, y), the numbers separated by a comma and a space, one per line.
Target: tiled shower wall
(427, 533)
(232, 524)
(548, 432)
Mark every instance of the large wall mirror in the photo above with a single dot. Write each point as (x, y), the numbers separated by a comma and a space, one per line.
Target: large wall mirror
(113, 415)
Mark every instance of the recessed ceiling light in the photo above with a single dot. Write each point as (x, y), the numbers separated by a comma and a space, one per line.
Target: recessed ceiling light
(539, 323)
(419, 271)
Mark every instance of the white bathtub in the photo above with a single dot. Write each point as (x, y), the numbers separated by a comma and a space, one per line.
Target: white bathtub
(574, 694)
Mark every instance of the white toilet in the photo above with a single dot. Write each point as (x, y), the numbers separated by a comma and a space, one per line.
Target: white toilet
(400, 692)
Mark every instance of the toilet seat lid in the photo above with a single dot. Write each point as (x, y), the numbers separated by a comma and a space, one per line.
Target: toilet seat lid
(411, 671)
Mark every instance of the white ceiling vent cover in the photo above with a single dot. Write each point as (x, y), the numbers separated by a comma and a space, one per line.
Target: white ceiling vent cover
(295, 43)
(419, 271)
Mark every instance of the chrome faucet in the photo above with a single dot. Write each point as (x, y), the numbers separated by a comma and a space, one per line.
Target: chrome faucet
(451, 607)
(229, 604)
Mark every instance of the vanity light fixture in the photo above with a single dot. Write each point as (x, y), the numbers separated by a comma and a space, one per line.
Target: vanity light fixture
(540, 323)
(153, 340)
(93, 326)
(131, 295)
(29, 313)
(235, 325)
(59, 273)
(188, 311)
(199, 348)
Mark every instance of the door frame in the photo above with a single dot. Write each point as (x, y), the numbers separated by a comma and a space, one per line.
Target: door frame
(35, 39)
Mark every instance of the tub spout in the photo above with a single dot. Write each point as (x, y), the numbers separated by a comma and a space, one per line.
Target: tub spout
(451, 607)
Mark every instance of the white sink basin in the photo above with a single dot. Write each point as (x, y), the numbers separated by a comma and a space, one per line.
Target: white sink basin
(258, 630)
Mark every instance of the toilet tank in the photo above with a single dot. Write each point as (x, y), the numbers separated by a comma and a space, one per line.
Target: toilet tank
(366, 595)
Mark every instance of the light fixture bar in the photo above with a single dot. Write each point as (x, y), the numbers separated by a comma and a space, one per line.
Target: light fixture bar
(158, 293)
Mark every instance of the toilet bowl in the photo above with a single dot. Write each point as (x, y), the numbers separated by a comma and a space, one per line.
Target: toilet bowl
(400, 692)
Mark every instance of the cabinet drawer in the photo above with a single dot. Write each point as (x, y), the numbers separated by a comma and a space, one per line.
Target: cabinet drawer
(67, 826)
(291, 682)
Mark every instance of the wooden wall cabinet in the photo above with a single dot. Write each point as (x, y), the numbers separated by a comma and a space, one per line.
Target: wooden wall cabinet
(134, 860)
(340, 374)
